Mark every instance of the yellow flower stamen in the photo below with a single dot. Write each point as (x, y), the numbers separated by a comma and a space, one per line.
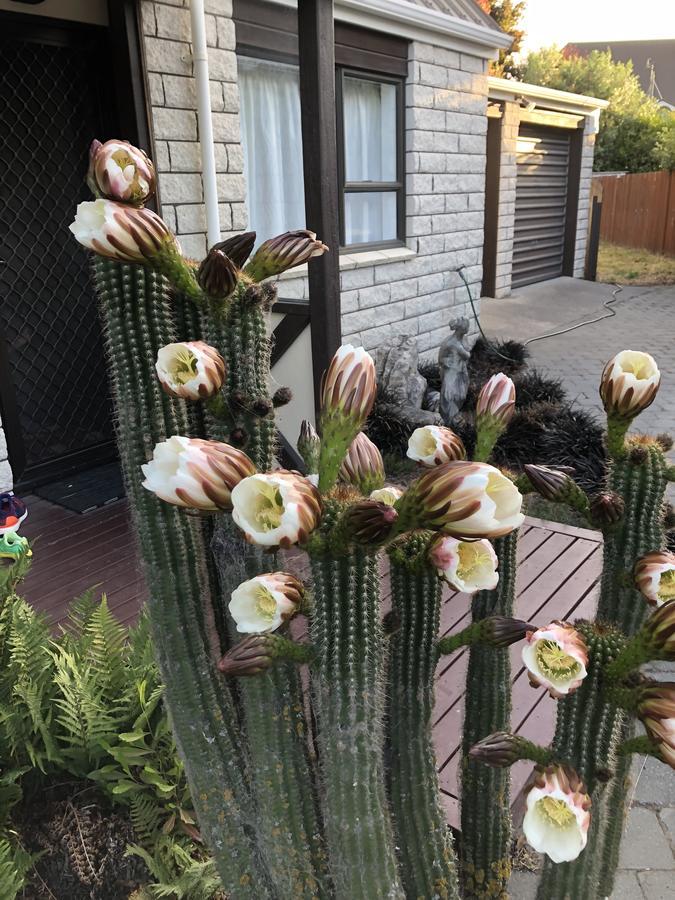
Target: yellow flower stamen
(427, 444)
(667, 586)
(184, 366)
(554, 662)
(469, 559)
(556, 812)
(269, 508)
(265, 604)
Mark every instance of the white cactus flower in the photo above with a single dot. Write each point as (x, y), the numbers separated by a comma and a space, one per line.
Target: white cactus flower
(556, 658)
(467, 566)
(388, 494)
(434, 445)
(263, 603)
(276, 510)
(655, 577)
(558, 813)
(190, 369)
(121, 232)
(629, 383)
(120, 171)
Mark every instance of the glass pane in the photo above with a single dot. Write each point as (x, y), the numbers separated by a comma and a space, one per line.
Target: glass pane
(370, 216)
(370, 130)
(271, 136)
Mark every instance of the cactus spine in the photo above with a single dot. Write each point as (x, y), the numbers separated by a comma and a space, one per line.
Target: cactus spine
(428, 864)
(486, 817)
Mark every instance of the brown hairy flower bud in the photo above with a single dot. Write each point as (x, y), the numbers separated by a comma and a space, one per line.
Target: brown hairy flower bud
(293, 248)
(638, 455)
(502, 631)
(499, 750)
(239, 437)
(217, 275)
(282, 396)
(370, 522)
(656, 709)
(607, 508)
(665, 441)
(551, 484)
(237, 248)
(251, 656)
(261, 407)
(363, 465)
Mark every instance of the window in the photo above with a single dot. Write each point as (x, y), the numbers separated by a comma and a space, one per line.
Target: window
(370, 152)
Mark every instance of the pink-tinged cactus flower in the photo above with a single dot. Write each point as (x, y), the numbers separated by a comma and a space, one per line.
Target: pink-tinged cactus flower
(363, 465)
(558, 813)
(276, 510)
(434, 445)
(191, 369)
(119, 171)
(122, 232)
(388, 494)
(195, 473)
(293, 248)
(12, 512)
(654, 576)
(463, 499)
(467, 566)
(556, 658)
(497, 400)
(656, 709)
(348, 387)
(263, 603)
(629, 383)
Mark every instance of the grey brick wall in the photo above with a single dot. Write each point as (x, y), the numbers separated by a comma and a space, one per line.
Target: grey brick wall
(584, 211)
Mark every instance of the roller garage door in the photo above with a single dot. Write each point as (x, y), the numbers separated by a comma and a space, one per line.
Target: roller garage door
(541, 201)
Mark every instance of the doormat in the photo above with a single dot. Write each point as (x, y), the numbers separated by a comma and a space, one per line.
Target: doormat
(86, 490)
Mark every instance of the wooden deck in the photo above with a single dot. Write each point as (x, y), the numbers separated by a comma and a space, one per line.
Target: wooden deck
(558, 572)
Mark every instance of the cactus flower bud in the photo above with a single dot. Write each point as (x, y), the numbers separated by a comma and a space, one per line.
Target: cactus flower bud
(195, 473)
(309, 446)
(237, 248)
(656, 709)
(629, 384)
(363, 465)
(556, 658)
(499, 750)
(12, 512)
(263, 603)
(217, 275)
(467, 566)
(607, 508)
(293, 248)
(191, 369)
(434, 445)
(654, 576)
(119, 171)
(370, 522)
(13, 546)
(659, 632)
(122, 232)
(281, 397)
(276, 510)
(251, 656)
(502, 631)
(551, 484)
(496, 401)
(349, 387)
(463, 499)
(388, 494)
(558, 813)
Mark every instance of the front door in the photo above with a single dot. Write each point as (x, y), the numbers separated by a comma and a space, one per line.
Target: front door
(54, 393)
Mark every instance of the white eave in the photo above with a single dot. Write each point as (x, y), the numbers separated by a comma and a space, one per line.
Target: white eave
(545, 97)
(419, 23)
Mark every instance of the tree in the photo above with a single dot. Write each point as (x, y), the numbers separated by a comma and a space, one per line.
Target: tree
(631, 127)
(507, 15)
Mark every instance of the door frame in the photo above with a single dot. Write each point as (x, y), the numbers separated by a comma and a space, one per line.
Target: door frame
(125, 98)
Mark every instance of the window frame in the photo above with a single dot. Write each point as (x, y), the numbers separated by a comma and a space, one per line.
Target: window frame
(354, 187)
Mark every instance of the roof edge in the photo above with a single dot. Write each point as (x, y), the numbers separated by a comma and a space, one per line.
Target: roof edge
(505, 88)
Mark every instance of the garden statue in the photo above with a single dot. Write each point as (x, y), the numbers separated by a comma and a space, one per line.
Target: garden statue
(453, 360)
(332, 792)
(399, 379)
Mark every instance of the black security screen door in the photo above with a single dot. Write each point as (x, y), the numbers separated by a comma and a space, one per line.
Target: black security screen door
(54, 391)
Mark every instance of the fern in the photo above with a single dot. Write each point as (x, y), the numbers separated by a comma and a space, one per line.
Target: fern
(15, 864)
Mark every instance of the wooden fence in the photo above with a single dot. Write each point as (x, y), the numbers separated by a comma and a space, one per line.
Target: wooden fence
(638, 210)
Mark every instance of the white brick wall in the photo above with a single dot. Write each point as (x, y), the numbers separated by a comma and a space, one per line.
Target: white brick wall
(6, 479)
(584, 211)
(507, 198)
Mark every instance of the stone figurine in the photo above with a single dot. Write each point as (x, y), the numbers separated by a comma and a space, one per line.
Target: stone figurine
(453, 359)
(398, 378)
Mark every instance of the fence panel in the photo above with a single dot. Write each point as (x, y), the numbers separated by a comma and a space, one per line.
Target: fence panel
(638, 210)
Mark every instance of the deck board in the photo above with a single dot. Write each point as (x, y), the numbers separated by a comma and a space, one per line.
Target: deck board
(558, 574)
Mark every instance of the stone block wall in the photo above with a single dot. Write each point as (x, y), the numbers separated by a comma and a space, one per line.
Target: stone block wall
(507, 197)
(584, 211)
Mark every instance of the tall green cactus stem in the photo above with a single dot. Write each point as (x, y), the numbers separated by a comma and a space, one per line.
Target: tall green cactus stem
(428, 862)
(348, 689)
(486, 817)
(638, 474)
(138, 321)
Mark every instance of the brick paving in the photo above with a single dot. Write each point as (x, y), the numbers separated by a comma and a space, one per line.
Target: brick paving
(643, 321)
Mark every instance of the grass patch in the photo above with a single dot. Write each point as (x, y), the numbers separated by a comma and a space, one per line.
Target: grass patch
(626, 265)
(554, 512)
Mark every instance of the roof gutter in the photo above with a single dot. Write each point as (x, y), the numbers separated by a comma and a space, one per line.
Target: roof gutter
(565, 101)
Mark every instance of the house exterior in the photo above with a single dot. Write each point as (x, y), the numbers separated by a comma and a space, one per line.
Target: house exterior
(414, 105)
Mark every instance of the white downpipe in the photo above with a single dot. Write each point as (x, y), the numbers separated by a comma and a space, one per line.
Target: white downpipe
(201, 69)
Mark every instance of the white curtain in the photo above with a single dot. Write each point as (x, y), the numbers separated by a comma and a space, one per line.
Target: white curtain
(272, 140)
(370, 155)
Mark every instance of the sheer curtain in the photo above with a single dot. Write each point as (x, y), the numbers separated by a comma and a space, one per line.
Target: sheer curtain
(370, 155)
(272, 141)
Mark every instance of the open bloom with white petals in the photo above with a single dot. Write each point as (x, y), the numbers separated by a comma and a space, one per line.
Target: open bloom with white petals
(388, 494)
(121, 232)
(558, 813)
(263, 603)
(190, 369)
(276, 510)
(497, 400)
(463, 499)
(433, 445)
(467, 566)
(629, 383)
(196, 473)
(556, 658)
(120, 171)
(654, 576)
(363, 466)
(656, 709)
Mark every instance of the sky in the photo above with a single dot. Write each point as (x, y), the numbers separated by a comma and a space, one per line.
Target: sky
(549, 22)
